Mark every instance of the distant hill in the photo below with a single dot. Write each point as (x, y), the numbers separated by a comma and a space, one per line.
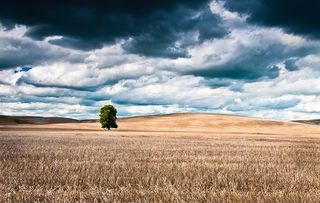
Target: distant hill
(189, 124)
(313, 122)
(13, 120)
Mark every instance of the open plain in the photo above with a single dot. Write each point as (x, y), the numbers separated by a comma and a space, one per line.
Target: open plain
(169, 158)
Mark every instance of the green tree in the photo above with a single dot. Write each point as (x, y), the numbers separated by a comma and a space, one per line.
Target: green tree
(108, 117)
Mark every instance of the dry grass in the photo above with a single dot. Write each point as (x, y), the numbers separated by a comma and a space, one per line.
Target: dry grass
(159, 166)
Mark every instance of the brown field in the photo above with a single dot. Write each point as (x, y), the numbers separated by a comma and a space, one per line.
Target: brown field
(172, 158)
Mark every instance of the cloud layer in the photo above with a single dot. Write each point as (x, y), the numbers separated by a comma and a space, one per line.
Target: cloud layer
(156, 28)
(295, 16)
(163, 57)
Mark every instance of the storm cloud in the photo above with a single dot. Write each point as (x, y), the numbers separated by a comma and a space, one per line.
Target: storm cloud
(152, 28)
(295, 16)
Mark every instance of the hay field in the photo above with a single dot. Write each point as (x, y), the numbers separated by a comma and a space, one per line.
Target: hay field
(171, 158)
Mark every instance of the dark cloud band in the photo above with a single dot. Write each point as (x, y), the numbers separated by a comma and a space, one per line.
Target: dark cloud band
(296, 16)
(154, 27)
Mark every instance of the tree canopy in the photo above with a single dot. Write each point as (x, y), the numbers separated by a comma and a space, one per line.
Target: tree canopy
(108, 117)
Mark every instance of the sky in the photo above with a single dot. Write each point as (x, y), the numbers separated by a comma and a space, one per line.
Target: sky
(257, 58)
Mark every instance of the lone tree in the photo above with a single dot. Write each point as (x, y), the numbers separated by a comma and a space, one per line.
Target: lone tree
(108, 117)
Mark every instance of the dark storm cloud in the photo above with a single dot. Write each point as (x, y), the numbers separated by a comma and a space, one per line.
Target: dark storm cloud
(291, 65)
(154, 27)
(16, 53)
(255, 63)
(300, 17)
(237, 71)
(25, 81)
(160, 39)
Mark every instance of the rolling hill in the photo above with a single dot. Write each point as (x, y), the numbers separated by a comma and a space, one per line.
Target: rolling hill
(194, 124)
(312, 122)
(12, 120)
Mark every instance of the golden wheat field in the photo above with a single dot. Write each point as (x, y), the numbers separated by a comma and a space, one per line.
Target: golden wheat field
(171, 158)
